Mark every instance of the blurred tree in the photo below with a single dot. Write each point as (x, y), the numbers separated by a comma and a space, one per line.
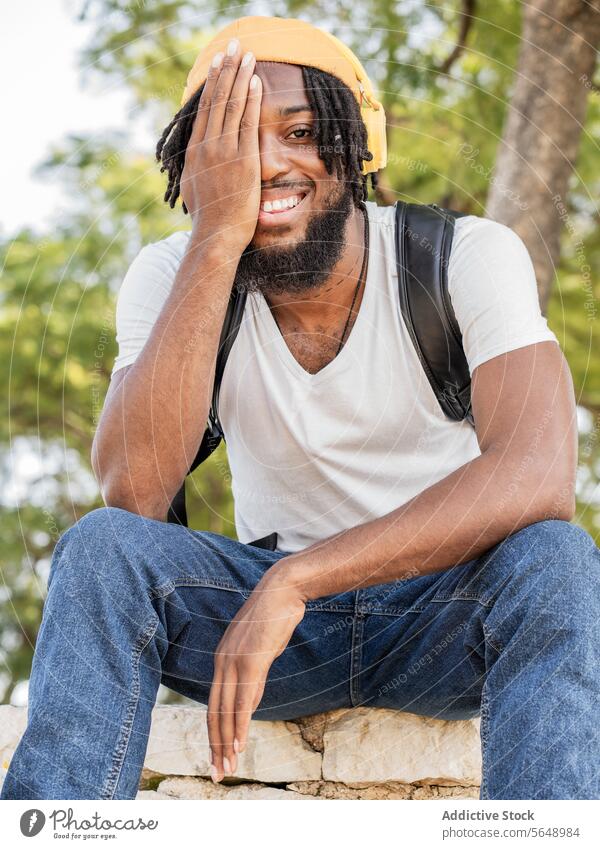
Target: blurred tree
(557, 57)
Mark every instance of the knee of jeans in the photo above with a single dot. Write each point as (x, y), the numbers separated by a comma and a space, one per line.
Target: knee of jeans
(559, 544)
(87, 544)
(559, 559)
(547, 578)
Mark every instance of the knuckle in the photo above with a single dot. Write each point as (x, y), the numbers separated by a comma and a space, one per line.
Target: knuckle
(191, 152)
(208, 154)
(219, 94)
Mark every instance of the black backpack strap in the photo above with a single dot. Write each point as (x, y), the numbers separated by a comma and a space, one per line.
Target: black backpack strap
(214, 432)
(269, 542)
(423, 236)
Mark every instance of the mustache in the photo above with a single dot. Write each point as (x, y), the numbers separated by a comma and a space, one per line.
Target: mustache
(298, 186)
(301, 266)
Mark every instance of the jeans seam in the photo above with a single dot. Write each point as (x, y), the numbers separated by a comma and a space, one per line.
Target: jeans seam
(120, 750)
(355, 658)
(468, 653)
(441, 599)
(372, 609)
(164, 590)
(483, 729)
(483, 732)
(490, 640)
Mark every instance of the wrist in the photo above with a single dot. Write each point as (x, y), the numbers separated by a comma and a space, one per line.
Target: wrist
(215, 242)
(287, 577)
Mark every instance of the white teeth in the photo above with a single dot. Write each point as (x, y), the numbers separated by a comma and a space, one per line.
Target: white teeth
(282, 203)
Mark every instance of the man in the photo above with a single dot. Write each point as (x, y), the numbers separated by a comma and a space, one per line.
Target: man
(397, 528)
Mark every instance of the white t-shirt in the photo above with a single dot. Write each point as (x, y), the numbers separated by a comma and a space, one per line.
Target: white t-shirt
(314, 454)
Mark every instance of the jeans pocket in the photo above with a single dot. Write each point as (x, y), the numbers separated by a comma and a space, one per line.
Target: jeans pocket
(465, 582)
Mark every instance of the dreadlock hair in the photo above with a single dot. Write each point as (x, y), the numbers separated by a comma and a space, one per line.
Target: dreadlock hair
(341, 135)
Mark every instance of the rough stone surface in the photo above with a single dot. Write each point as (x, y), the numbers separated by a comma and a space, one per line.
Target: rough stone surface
(377, 745)
(201, 788)
(312, 728)
(12, 725)
(388, 790)
(275, 751)
(358, 754)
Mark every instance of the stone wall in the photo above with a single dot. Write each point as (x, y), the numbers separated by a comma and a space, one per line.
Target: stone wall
(365, 753)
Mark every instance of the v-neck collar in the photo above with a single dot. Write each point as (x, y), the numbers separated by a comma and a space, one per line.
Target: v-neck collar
(341, 360)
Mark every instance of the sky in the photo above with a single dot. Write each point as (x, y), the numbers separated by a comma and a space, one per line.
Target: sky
(41, 64)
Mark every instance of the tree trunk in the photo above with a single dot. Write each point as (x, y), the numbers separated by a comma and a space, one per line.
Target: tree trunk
(543, 126)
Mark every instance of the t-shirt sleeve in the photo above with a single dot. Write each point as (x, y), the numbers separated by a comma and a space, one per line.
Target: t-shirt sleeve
(493, 290)
(141, 297)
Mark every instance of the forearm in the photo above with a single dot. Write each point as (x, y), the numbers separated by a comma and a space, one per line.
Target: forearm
(451, 522)
(153, 422)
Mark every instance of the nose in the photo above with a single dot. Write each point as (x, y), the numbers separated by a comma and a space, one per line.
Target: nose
(274, 161)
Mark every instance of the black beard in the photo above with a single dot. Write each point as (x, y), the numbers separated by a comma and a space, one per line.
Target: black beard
(301, 266)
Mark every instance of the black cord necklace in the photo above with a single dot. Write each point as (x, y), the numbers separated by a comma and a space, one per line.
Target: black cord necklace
(360, 278)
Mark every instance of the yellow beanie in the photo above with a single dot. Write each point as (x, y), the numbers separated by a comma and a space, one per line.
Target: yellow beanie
(296, 42)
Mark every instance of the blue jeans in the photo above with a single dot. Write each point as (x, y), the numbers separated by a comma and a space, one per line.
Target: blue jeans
(513, 635)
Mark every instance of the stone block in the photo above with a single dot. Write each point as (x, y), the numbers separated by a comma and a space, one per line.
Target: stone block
(377, 745)
(275, 751)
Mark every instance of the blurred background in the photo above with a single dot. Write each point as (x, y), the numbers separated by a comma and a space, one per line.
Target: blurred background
(492, 108)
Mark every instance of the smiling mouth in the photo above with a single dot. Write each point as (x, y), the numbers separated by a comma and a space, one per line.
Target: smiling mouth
(276, 217)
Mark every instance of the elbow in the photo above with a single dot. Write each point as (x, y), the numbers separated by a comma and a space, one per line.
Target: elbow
(115, 495)
(559, 498)
(130, 484)
(563, 503)
(118, 490)
(561, 483)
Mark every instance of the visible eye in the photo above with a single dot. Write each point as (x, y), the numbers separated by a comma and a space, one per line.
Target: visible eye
(302, 130)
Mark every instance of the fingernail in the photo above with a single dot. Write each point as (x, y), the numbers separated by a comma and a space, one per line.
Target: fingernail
(247, 59)
(218, 58)
(227, 766)
(232, 46)
(236, 745)
(214, 774)
(254, 81)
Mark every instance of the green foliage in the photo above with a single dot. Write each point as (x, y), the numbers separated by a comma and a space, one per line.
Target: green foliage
(57, 322)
